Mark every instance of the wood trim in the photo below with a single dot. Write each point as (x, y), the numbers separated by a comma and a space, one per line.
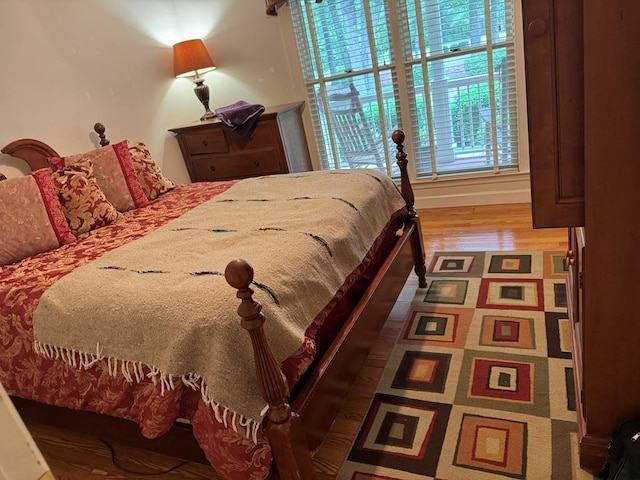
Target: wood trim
(593, 452)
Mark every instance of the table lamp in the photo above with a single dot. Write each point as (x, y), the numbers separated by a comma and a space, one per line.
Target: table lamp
(191, 59)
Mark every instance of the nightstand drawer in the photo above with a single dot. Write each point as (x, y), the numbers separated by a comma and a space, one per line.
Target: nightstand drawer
(263, 136)
(238, 166)
(211, 141)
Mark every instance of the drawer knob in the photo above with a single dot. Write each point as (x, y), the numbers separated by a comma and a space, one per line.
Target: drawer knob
(212, 168)
(257, 163)
(205, 143)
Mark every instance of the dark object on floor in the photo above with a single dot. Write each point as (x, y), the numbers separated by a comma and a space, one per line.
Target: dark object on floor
(623, 462)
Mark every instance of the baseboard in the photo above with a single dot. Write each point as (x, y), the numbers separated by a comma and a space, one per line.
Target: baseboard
(485, 190)
(593, 452)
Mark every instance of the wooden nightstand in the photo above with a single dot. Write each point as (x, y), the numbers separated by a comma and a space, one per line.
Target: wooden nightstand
(212, 151)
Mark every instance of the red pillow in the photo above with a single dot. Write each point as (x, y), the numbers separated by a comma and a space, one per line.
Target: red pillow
(31, 217)
(83, 203)
(113, 169)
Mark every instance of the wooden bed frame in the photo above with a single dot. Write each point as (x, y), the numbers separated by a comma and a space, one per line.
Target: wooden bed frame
(295, 427)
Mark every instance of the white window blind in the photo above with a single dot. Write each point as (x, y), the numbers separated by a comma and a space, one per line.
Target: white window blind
(347, 64)
(458, 63)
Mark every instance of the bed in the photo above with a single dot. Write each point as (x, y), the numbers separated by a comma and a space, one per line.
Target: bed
(310, 322)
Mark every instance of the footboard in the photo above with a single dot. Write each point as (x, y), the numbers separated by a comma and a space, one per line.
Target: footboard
(320, 398)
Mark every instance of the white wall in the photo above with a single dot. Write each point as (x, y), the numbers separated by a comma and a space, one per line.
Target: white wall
(67, 64)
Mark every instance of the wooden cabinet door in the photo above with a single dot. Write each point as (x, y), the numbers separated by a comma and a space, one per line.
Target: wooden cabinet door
(553, 47)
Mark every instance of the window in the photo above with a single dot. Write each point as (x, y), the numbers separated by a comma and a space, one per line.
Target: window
(449, 63)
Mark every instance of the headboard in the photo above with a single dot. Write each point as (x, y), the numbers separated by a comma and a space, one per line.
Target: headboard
(35, 152)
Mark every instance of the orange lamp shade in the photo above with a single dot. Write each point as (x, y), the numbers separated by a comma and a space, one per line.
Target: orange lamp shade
(190, 58)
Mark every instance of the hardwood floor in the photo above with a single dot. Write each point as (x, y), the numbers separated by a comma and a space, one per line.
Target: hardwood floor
(495, 227)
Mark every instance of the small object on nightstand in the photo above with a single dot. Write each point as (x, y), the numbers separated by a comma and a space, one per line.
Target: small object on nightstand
(240, 116)
(277, 144)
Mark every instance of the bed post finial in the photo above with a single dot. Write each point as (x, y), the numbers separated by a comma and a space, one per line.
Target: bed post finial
(99, 129)
(281, 426)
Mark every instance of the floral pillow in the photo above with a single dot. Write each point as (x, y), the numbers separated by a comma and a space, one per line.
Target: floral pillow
(31, 217)
(83, 203)
(113, 169)
(153, 182)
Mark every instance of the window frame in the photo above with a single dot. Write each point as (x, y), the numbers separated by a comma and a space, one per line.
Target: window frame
(403, 101)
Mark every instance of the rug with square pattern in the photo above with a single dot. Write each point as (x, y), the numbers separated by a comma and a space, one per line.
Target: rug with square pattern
(479, 384)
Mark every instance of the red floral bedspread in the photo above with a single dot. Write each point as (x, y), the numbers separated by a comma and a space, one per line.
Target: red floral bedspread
(28, 375)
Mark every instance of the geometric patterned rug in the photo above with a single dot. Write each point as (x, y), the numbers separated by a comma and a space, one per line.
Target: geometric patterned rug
(479, 384)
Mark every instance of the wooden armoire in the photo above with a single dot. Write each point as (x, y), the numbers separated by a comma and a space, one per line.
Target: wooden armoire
(582, 61)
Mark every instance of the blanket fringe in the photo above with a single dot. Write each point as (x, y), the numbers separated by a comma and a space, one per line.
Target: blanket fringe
(134, 372)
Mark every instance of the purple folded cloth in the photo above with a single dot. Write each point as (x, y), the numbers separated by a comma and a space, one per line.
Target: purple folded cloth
(240, 116)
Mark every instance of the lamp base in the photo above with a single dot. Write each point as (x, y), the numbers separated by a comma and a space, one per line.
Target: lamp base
(202, 92)
(208, 115)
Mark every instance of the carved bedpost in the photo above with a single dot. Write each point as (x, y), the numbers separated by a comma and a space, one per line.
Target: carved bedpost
(281, 426)
(99, 129)
(407, 193)
(401, 160)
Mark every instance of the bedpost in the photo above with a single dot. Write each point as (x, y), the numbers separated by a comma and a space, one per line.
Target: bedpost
(99, 129)
(407, 193)
(281, 426)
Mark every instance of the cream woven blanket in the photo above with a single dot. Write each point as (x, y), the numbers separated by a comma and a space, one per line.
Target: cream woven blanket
(160, 306)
